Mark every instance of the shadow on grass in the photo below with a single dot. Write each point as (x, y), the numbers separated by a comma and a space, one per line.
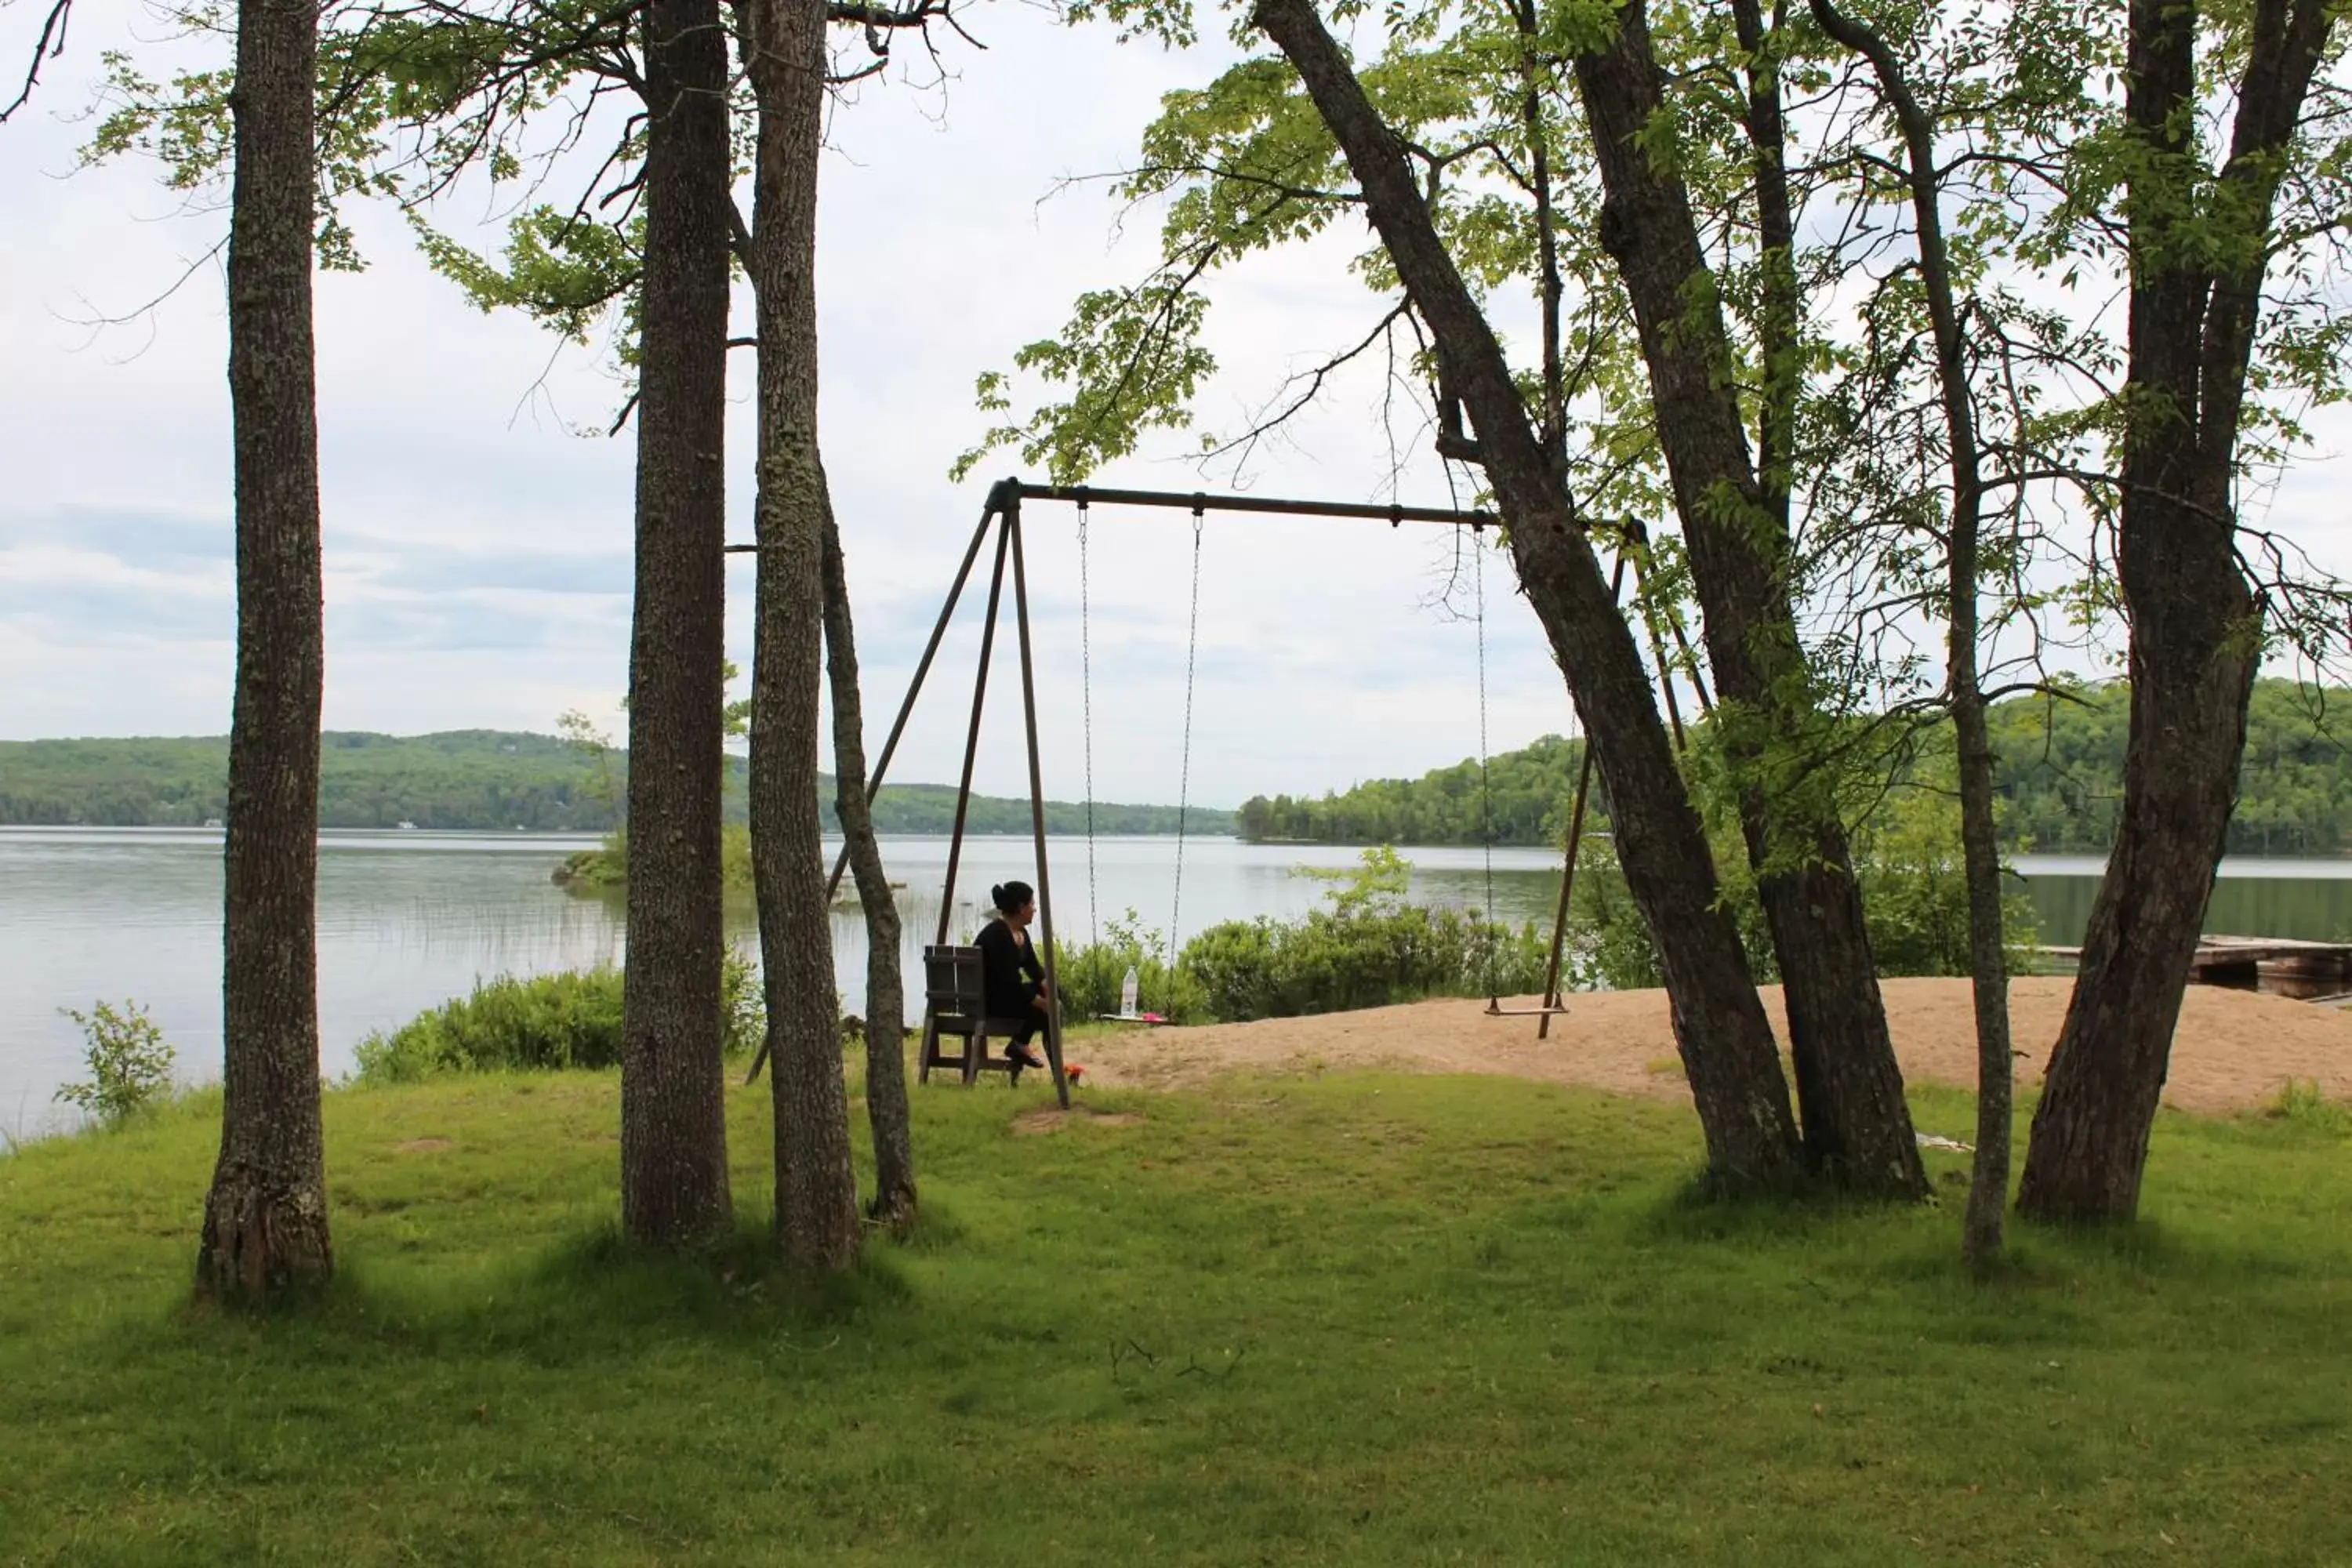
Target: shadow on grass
(600, 1288)
(2154, 1254)
(592, 1295)
(934, 1230)
(1700, 1209)
(1703, 1206)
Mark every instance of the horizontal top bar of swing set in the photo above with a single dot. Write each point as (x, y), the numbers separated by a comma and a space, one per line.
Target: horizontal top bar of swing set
(1201, 501)
(1092, 495)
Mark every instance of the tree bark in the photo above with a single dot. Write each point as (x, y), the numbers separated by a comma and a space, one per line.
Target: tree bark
(1980, 1242)
(1719, 1025)
(674, 1182)
(1552, 430)
(1779, 378)
(2195, 622)
(264, 1226)
(1857, 1126)
(817, 1189)
(885, 1002)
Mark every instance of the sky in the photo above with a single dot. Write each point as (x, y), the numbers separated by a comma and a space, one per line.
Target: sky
(477, 521)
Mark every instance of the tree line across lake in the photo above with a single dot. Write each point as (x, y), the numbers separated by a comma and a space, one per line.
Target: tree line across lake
(458, 780)
(2059, 772)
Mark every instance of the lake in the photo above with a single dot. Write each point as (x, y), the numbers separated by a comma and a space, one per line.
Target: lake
(407, 919)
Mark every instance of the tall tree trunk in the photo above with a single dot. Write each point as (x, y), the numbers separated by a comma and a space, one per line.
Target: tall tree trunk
(816, 1188)
(886, 1000)
(1857, 1126)
(265, 1228)
(674, 1186)
(1979, 842)
(1552, 428)
(1719, 1025)
(2196, 624)
(1779, 371)
(1981, 1239)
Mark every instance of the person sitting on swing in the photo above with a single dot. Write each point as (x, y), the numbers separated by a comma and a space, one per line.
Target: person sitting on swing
(1011, 978)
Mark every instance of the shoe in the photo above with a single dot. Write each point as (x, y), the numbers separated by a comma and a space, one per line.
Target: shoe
(1026, 1054)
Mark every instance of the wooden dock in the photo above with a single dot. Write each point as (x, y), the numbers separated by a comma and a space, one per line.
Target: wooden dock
(2281, 965)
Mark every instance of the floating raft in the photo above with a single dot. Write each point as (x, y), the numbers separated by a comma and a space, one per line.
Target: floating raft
(2281, 965)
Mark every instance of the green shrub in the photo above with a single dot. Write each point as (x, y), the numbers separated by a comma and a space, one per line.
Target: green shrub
(2302, 1102)
(129, 1063)
(1092, 976)
(1370, 949)
(1915, 898)
(1236, 966)
(1915, 889)
(598, 870)
(1608, 945)
(545, 1022)
(1330, 963)
(742, 1004)
(606, 867)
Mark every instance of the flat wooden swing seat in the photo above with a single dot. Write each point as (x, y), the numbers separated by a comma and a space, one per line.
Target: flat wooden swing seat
(1495, 1009)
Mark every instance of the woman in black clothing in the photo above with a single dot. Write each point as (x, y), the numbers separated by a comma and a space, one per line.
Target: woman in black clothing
(1011, 974)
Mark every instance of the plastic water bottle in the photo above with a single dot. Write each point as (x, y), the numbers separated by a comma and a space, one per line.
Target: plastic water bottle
(1127, 994)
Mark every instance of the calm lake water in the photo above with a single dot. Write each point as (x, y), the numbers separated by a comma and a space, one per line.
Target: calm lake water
(408, 919)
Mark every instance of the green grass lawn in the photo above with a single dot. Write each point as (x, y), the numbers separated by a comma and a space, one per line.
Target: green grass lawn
(1359, 1320)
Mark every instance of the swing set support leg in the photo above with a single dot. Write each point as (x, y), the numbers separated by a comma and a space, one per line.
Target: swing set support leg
(1036, 802)
(971, 737)
(1551, 997)
(914, 687)
(1567, 885)
(1552, 1003)
(907, 708)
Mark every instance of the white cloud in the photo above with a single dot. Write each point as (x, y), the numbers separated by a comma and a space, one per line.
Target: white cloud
(477, 546)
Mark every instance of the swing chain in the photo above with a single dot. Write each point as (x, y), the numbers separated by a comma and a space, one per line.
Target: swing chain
(1086, 716)
(1184, 776)
(1486, 786)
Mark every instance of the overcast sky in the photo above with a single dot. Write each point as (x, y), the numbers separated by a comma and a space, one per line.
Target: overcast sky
(477, 545)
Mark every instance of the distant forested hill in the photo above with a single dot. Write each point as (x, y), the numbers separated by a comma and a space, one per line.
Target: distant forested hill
(1533, 790)
(463, 778)
(484, 779)
(2059, 769)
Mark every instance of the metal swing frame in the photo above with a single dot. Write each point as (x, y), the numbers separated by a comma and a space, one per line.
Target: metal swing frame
(1631, 552)
(1001, 514)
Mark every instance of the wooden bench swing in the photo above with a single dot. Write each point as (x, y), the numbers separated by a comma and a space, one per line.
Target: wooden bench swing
(954, 1003)
(955, 1007)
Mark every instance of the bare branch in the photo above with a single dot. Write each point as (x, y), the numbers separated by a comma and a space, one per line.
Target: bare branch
(738, 234)
(1314, 379)
(48, 47)
(866, 15)
(621, 420)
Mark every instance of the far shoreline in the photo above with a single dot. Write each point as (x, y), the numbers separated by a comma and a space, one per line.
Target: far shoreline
(2314, 868)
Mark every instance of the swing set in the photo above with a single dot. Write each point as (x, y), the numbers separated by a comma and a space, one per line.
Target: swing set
(953, 1000)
